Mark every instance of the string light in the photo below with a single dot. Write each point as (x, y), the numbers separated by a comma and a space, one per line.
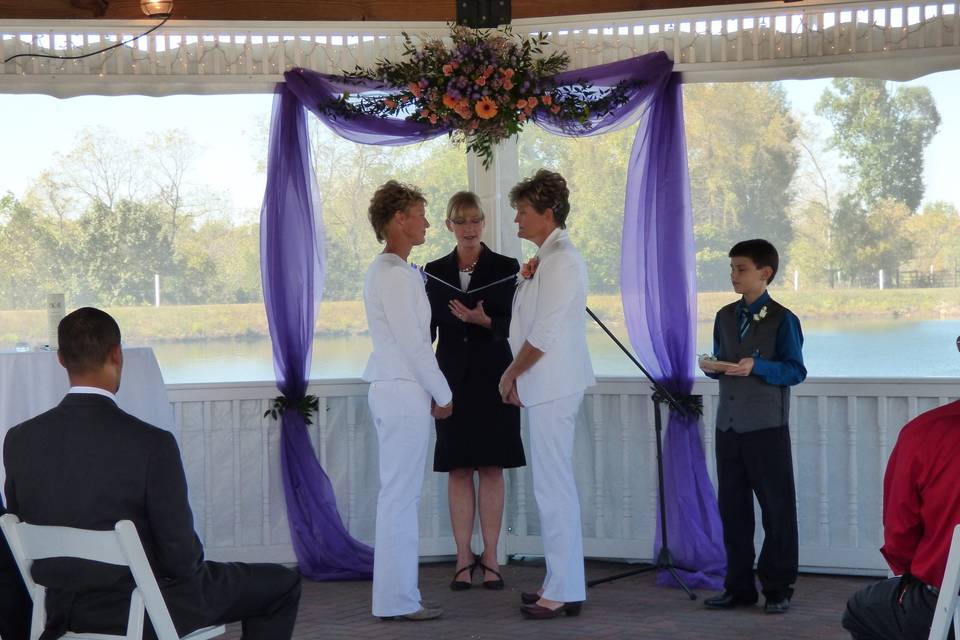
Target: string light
(800, 35)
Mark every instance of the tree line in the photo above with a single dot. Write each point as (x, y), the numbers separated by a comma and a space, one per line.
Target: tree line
(106, 217)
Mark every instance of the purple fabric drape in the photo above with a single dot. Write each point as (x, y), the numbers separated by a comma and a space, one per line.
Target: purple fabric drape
(657, 269)
(657, 286)
(292, 270)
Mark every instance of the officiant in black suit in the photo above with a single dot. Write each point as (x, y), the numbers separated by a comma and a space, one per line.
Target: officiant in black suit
(471, 293)
(87, 464)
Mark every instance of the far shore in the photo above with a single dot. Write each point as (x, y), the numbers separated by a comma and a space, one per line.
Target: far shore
(179, 323)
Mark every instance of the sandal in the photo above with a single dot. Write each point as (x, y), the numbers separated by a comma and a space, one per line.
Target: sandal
(497, 584)
(461, 585)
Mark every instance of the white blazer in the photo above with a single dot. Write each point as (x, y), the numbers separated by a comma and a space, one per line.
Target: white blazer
(549, 312)
(398, 317)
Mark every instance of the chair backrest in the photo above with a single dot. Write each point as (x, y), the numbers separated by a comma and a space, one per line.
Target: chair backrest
(121, 546)
(947, 611)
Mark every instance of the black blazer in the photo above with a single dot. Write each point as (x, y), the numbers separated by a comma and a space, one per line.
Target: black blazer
(461, 345)
(87, 464)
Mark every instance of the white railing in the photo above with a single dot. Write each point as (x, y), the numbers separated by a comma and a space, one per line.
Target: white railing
(842, 432)
(764, 41)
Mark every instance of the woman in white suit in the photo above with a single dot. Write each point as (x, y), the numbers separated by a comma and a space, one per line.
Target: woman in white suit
(406, 387)
(550, 371)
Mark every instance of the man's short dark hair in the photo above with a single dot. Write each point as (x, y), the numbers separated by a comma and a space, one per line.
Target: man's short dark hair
(86, 337)
(761, 252)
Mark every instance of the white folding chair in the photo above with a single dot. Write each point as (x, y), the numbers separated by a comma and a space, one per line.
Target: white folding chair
(947, 611)
(120, 547)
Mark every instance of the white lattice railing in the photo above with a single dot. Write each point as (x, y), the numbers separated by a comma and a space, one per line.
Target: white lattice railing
(842, 432)
(898, 40)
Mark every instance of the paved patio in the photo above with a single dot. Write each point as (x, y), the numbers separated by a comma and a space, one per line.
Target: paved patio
(627, 608)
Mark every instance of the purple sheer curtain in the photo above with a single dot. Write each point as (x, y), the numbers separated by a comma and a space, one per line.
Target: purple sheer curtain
(292, 269)
(657, 273)
(658, 288)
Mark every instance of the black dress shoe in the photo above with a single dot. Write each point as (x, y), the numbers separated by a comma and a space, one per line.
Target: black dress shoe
(536, 612)
(729, 600)
(777, 606)
(529, 597)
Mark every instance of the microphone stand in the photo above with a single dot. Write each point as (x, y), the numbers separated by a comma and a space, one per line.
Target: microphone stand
(660, 396)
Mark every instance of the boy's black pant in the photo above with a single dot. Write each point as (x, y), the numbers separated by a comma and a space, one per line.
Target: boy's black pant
(758, 462)
(895, 609)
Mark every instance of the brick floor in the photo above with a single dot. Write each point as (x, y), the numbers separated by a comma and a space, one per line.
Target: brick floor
(628, 608)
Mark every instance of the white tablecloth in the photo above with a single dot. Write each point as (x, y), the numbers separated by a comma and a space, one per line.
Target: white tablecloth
(32, 382)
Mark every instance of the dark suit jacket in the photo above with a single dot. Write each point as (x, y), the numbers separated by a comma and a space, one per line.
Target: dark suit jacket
(87, 464)
(463, 345)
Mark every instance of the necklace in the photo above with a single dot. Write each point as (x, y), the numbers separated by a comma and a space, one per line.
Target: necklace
(470, 267)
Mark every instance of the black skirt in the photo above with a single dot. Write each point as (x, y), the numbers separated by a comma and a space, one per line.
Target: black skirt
(483, 431)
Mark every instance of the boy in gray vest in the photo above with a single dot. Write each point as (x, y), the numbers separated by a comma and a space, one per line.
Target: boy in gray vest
(764, 340)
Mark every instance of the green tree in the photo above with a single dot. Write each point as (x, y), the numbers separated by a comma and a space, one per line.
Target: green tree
(882, 135)
(121, 249)
(31, 262)
(936, 232)
(742, 154)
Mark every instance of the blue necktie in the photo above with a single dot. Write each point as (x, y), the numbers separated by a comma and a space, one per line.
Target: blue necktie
(744, 322)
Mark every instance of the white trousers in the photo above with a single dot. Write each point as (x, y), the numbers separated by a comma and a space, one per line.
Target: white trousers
(552, 426)
(401, 415)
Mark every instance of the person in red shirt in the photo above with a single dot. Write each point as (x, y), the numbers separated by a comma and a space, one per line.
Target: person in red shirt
(921, 507)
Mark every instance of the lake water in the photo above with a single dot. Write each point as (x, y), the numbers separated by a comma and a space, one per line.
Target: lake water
(832, 348)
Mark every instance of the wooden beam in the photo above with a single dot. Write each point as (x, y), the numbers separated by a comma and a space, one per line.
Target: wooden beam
(323, 10)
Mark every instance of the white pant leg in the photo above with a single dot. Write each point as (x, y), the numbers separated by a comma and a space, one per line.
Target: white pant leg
(552, 426)
(401, 415)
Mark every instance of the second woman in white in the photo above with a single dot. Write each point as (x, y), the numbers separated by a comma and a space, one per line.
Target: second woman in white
(550, 371)
(406, 387)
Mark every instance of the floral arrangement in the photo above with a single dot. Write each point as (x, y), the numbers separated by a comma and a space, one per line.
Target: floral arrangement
(483, 87)
(528, 269)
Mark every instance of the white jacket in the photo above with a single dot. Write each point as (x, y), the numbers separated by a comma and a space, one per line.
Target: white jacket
(549, 312)
(398, 316)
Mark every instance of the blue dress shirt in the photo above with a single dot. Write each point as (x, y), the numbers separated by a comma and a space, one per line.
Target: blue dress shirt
(787, 369)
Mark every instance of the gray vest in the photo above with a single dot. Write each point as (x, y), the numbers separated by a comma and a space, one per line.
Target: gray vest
(748, 403)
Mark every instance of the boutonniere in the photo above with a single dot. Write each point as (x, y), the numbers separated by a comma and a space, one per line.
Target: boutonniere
(528, 269)
(760, 315)
(419, 269)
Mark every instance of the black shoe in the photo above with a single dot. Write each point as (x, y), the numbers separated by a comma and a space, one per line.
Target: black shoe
(463, 585)
(536, 612)
(497, 584)
(777, 606)
(729, 600)
(529, 597)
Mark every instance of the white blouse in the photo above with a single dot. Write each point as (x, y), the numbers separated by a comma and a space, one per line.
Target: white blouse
(398, 317)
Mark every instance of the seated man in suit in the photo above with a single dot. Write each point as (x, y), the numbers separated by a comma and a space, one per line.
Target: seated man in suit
(15, 606)
(87, 464)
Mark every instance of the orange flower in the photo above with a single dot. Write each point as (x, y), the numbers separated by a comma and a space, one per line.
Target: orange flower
(448, 69)
(486, 108)
(508, 73)
(433, 118)
(449, 102)
(414, 89)
(532, 101)
(529, 268)
(546, 99)
(555, 108)
(488, 71)
(507, 84)
(521, 103)
(482, 80)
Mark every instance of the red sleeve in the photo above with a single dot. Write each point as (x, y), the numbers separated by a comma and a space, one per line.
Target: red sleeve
(902, 524)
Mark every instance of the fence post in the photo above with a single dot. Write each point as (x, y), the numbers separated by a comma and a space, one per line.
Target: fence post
(880, 279)
(796, 279)
(156, 289)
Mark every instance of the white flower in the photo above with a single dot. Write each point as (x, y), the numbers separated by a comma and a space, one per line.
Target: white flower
(757, 317)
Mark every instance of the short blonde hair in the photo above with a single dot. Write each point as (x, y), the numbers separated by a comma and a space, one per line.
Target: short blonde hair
(463, 200)
(390, 197)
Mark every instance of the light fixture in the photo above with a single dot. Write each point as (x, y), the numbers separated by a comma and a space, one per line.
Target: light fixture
(157, 8)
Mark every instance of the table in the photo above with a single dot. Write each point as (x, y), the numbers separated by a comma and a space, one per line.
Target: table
(33, 382)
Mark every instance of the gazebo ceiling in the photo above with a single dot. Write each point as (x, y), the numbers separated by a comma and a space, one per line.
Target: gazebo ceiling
(324, 10)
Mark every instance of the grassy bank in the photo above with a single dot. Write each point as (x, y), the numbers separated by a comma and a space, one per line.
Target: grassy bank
(201, 322)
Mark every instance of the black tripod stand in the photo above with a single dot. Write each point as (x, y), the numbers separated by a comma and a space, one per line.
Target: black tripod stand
(660, 396)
